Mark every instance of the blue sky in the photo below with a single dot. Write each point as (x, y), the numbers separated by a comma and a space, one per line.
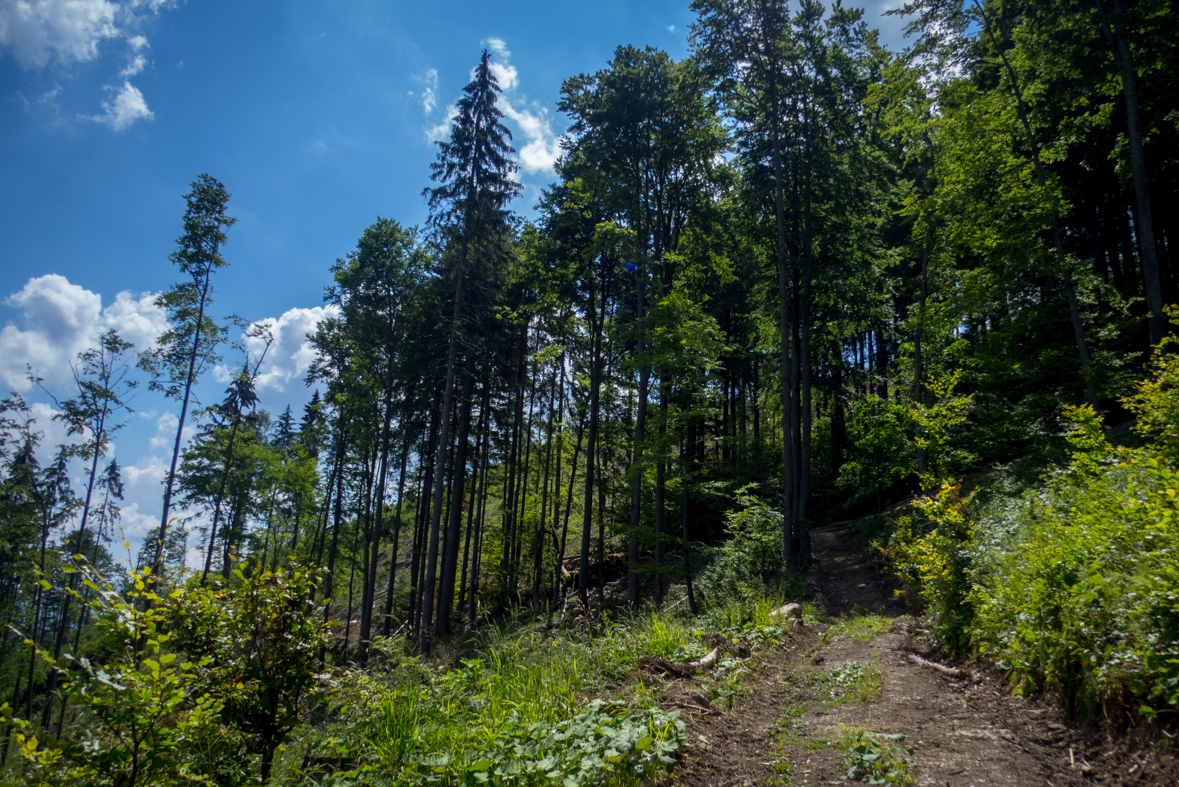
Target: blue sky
(318, 117)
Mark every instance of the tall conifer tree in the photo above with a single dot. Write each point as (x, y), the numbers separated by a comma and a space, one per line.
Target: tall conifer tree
(469, 210)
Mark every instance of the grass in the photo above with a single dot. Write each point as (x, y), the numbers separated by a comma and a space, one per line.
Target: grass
(853, 682)
(864, 627)
(528, 704)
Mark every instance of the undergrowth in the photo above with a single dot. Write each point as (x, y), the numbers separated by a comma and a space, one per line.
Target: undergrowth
(875, 758)
(1072, 586)
(534, 707)
(853, 682)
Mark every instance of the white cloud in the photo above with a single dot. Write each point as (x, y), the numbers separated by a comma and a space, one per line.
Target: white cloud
(498, 46)
(128, 107)
(38, 31)
(60, 320)
(506, 75)
(165, 435)
(291, 353)
(671, 28)
(135, 525)
(541, 147)
(442, 130)
(53, 432)
(136, 64)
(429, 94)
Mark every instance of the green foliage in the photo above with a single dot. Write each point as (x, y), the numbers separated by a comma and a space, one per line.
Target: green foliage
(1087, 603)
(520, 715)
(937, 564)
(1155, 402)
(937, 424)
(853, 681)
(881, 446)
(876, 758)
(753, 553)
(143, 709)
(199, 680)
(1071, 587)
(258, 646)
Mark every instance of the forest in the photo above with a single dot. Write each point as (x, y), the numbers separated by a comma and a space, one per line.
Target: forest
(794, 280)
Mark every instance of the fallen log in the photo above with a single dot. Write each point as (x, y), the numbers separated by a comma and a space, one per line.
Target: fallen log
(707, 661)
(678, 669)
(788, 611)
(953, 672)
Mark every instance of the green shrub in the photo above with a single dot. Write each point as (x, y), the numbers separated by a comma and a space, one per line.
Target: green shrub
(937, 565)
(1085, 599)
(1072, 587)
(753, 554)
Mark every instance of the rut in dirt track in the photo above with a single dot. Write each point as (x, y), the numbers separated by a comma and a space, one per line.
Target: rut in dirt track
(966, 732)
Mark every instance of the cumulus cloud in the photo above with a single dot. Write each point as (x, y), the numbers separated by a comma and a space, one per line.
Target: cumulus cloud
(498, 46)
(442, 130)
(541, 146)
(429, 93)
(60, 319)
(127, 107)
(53, 433)
(505, 74)
(38, 31)
(538, 145)
(136, 64)
(165, 435)
(291, 353)
(136, 523)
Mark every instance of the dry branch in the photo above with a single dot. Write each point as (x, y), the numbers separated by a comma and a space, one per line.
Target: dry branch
(953, 672)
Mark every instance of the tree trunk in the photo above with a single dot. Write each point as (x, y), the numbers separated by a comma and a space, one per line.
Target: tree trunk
(439, 457)
(450, 566)
(1120, 46)
(596, 328)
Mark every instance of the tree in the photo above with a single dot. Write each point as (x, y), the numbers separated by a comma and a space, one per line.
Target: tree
(469, 207)
(189, 346)
(92, 415)
(255, 649)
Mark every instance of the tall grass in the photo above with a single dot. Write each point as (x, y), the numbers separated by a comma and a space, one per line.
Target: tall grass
(529, 706)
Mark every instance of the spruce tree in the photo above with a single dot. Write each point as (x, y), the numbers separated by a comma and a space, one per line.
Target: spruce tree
(468, 208)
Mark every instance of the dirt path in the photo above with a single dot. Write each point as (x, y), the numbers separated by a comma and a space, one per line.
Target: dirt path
(855, 671)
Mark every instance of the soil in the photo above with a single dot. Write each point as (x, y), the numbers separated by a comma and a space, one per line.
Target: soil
(966, 730)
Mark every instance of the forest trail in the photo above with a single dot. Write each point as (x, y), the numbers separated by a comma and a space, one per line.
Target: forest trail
(965, 732)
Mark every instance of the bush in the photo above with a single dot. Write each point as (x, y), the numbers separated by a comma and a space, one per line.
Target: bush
(754, 553)
(937, 564)
(1073, 587)
(1085, 599)
(200, 679)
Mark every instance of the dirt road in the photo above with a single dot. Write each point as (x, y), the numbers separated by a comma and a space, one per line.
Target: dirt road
(855, 674)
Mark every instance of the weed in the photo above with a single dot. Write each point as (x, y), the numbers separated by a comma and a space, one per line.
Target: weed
(726, 684)
(854, 682)
(861, 627)
(875, 758)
